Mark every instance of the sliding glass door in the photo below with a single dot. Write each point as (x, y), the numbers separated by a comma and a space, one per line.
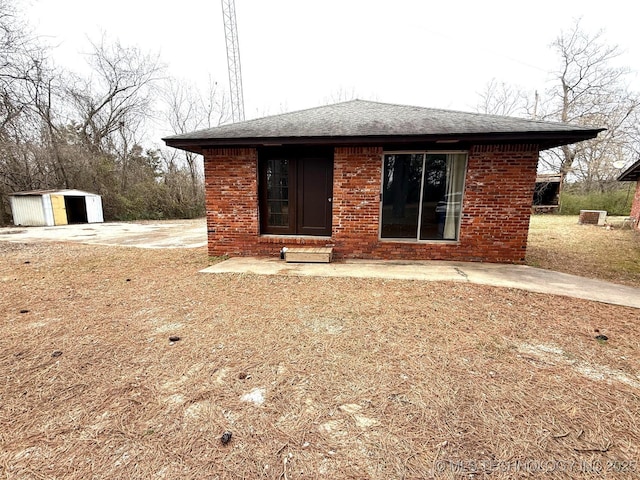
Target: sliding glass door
(422, 195)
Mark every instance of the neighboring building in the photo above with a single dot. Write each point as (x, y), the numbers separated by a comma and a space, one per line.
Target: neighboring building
(375, 180)
(55, 207)
(632, 174)
(546, 194)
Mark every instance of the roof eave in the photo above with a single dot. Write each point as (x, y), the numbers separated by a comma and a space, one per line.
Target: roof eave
(631, 174)
(544, 140)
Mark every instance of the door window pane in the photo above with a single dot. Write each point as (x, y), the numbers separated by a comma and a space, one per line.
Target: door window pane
(278, 192)
(401, 195)
(433, 192)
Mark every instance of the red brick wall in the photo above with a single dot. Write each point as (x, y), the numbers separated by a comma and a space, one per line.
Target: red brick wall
(231, 200)
(357, 173)
(495, 213)
(497, 202)
(635, 207)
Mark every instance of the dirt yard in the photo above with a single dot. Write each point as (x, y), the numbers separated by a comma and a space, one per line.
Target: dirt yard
(557, 242)
(314, 377)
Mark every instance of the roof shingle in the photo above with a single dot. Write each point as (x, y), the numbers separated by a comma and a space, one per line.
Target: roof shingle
(359, 120)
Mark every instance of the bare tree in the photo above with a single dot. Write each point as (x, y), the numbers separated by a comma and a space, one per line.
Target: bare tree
(588, 90)
(500, 98)
(60, 130)
(341, 94)
(188, 108)
(119, 91)
(591, 91)
(112, 105)
(21, 62)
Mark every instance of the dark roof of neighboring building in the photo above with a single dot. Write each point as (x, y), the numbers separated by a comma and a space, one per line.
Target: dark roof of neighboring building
(631, 174)
(360, 122)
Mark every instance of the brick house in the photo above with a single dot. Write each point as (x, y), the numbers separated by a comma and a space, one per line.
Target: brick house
(632, 174)
(374, 180)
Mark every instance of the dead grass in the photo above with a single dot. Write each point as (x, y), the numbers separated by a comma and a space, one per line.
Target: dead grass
(557, 242)
(361, 378)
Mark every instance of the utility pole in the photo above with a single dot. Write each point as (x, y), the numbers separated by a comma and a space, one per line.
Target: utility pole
(233, 60)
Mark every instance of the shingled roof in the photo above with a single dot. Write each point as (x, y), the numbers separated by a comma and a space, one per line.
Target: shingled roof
(631, 174)
(360, 122)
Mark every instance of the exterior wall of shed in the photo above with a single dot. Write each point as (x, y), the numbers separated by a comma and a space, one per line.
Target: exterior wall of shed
(635, 206)
(495, 213)
(28, 210)
(48, 209)
(94, 209)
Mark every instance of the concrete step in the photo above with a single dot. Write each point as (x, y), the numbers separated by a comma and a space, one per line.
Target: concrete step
(309, 255)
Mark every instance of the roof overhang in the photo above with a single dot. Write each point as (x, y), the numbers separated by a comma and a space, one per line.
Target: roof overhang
(631, 174)
(544, 140)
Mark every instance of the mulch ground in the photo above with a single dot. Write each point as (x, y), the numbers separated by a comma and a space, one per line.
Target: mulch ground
(313, 377)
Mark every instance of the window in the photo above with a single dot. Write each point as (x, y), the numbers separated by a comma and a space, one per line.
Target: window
(277, 192)
(295, 191)
(422, 195)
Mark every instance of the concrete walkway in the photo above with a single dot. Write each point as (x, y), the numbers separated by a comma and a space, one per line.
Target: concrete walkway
(498, 275)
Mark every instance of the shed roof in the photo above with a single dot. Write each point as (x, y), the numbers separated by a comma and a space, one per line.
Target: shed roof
(67, 192)
(359, 122)
(631, 174)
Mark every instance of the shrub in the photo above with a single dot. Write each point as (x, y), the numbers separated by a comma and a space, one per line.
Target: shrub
(615, 202)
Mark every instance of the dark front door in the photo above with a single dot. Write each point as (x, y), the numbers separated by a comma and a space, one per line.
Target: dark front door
(314, 189)
(296, 192)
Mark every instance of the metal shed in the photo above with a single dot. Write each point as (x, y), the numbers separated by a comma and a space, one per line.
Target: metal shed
(39, 208)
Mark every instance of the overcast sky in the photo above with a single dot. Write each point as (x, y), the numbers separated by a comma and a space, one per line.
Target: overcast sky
(300, 53)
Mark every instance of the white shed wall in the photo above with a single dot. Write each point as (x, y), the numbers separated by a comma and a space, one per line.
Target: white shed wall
(48, 210)
(36, 210)
(28, 210)
(94, 209)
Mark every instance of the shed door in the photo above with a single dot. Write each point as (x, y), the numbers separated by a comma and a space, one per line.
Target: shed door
(94, 209)
(59, 210)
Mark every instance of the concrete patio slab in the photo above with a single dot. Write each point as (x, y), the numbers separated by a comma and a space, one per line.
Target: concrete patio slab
(498, 275)
(157, 234)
